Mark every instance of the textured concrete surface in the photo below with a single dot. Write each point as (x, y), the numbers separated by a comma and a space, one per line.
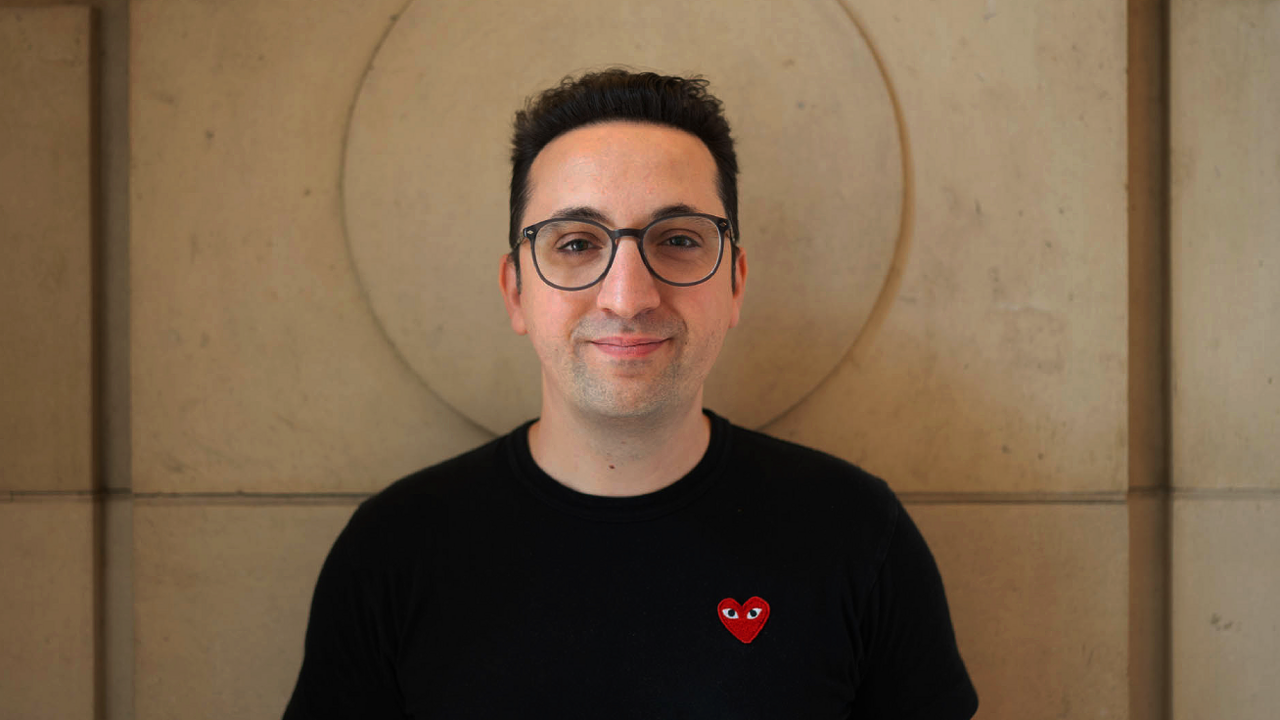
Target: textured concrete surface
(1225, 281)
(46, 610)
(1002, 363)
(1038, 596)
(257, 365)
(222, 597)
(1226, 632)
(1225, 63)
(46, 226)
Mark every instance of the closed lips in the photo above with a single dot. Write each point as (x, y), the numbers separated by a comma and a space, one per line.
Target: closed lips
(628, 342)
(630, 347)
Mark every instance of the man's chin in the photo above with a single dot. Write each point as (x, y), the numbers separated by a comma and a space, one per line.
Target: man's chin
(631, 407)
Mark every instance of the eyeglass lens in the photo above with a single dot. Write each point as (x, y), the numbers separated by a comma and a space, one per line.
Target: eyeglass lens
(680, 249)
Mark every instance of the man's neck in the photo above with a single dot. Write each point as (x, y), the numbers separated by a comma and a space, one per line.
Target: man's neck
(619, 457)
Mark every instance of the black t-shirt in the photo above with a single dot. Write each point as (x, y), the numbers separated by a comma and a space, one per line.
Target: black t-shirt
(773, 581)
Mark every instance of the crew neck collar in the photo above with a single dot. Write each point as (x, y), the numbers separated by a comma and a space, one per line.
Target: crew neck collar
(620, 509)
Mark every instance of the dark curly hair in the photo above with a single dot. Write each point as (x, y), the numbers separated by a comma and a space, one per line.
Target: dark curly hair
(620, 94)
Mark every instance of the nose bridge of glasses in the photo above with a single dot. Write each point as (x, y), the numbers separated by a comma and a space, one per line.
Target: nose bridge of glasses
(637, 233)
(618, 236)
(628, 284)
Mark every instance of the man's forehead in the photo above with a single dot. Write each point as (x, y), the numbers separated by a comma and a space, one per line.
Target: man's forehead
(598, 136)
(618, 145)
(653, 169)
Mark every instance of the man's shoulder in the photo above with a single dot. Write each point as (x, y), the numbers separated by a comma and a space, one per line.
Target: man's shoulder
(425, 494)
(814, 486)
(785, 459)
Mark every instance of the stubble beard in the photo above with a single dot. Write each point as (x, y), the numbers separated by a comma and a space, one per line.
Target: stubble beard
(608, 394)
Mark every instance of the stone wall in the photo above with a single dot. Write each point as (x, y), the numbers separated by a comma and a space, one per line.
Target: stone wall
(993, 261)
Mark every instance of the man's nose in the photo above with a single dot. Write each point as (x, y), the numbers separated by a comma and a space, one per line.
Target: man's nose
(629, 289)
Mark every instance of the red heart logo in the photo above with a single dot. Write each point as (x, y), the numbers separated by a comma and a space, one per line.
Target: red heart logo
(746, 620)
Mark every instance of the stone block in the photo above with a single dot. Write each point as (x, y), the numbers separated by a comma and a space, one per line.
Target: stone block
(1001, 363)
(46, 241)
(1039, 600)
(221, 598)
(1225, 258)
(46, 610)
(257, 365)
(1225, 629)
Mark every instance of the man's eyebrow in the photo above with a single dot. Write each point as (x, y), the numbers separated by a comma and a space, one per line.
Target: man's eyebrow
(586, 212)
(581, 212)
(677, 209)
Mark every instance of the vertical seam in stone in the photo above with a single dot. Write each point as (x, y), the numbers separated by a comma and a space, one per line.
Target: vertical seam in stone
(1149, 357)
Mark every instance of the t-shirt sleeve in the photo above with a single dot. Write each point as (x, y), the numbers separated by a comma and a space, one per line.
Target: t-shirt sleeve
(348, 666)
(912, 668)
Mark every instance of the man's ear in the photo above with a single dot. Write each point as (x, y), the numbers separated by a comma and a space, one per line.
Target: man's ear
(739, 284)
(509, 282)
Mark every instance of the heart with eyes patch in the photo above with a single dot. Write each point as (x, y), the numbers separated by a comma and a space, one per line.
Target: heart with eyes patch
(746, 620)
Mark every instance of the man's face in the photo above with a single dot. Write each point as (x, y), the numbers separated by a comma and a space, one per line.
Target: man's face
(631, 345)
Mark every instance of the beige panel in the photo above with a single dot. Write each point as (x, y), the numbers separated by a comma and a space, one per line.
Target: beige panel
(46, 409)
(1225, 111)
(222, 593)
(256, 362)
(1002, 363)
(1039, 600)
(1226, 631)
(46, 610)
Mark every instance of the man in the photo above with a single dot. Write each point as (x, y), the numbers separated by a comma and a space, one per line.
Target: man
(629, 554)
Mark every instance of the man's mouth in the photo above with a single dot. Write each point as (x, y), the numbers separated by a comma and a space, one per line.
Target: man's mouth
(631, 346)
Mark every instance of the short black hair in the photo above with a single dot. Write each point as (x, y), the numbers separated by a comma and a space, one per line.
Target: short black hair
(620, 94)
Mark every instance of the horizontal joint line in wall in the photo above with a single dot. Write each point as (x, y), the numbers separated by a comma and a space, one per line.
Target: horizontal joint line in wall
(1225, 493)
(251, 497)
(1013, 498)
(125, 494)
(7, 496)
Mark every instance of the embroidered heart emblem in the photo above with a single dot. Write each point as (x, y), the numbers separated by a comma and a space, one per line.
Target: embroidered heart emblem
(746, 620)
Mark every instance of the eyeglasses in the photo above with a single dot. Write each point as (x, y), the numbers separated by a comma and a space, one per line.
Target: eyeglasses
(574, 253)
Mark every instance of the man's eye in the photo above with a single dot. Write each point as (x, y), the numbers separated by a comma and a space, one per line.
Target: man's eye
(575, 245)
(686, 241)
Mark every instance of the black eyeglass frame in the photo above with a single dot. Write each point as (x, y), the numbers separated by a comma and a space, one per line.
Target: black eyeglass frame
(530, 234)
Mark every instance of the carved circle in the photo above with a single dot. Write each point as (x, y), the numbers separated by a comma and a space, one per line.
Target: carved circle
(426, 174)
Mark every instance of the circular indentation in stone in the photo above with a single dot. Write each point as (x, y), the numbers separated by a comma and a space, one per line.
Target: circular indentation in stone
(426, 177)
